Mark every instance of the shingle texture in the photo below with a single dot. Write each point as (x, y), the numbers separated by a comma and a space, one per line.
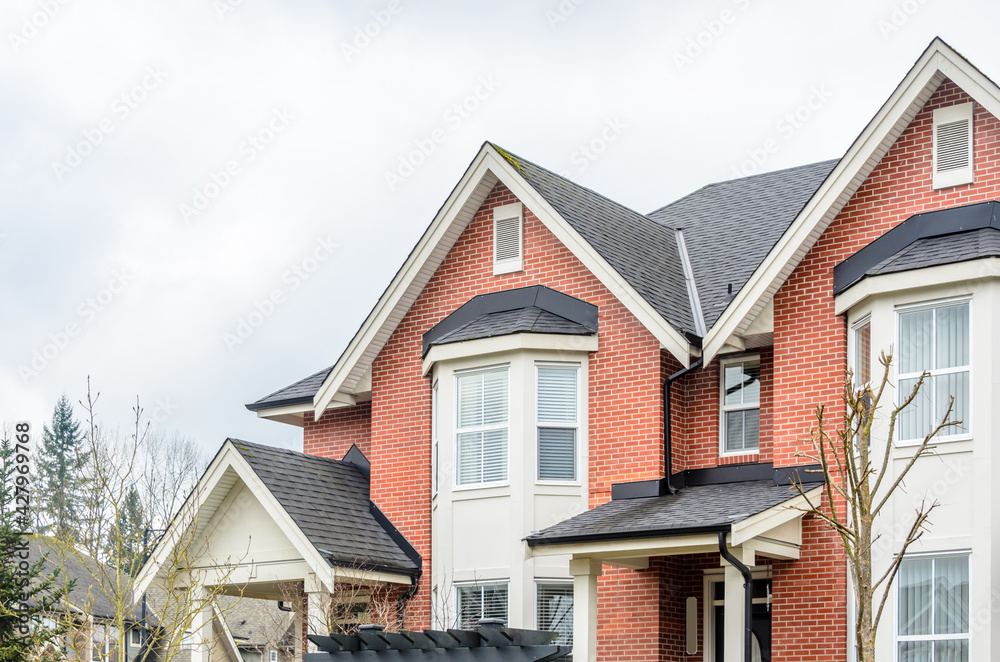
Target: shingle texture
(329, 501)
(643, 251)
(697, 507)
(730, 227)
(935, 251)
(505, 323)
(301, 391)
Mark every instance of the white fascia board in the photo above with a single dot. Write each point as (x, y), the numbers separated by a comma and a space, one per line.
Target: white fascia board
(966, 275)
(773, 518)
(230, 458)
(632, 549)
(514, 342)
(486, 169)
(936, 63)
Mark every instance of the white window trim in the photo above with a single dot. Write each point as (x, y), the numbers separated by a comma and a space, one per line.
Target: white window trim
(135, 636)
(562, 426)
(724, 409)
(947, 115)
(481, 584)
(505, 213)
(897, 638)
(965, 435)
(274, 656)
(457, 487)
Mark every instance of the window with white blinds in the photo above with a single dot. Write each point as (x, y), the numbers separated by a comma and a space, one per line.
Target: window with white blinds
(554, 610)
(933, 604)
(953, 146)
(933, 338)
(558, 421)
(481, 601)
(741, 405)
(481, 428)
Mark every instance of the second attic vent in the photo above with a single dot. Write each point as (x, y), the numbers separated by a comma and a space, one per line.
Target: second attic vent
(508, 243)
(953, 146)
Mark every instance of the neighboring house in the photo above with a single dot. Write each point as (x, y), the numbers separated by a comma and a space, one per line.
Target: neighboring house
(509, 390)
(262, 629)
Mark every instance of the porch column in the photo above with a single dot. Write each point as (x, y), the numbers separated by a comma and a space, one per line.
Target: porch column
(297, 627)
(585, 573)
(316, 604)
(734, 604)
(201, 626)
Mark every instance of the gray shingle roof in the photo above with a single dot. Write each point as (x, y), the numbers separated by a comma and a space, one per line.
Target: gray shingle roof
(935, 251)
(693, 508)
(300, 392)
(729, 227)
(329, 501)
(523, 320)
(644, 252)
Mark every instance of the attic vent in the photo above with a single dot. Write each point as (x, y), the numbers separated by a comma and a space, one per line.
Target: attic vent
(508, 244)
(953, 146)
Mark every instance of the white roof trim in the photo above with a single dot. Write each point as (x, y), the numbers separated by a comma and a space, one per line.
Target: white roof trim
(488, 168)
(938, 62)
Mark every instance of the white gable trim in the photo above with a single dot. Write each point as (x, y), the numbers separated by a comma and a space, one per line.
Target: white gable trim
(938, 62)
(488, 168)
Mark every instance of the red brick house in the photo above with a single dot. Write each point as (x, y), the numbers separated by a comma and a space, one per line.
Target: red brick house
(511, 387)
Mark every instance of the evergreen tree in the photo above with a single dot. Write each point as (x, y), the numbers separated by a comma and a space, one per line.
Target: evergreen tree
(61, 474)
(126, 540)
(26, 591)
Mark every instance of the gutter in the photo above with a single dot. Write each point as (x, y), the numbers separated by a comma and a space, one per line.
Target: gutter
(667, 432)
(747, 596)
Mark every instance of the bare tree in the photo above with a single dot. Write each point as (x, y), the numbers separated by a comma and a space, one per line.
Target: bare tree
(859, 485)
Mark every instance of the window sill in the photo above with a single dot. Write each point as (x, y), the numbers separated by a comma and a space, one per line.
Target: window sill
(946, 446)
(729, 455)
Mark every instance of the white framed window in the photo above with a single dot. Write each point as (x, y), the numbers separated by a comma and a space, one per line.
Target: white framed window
(187, 641)
(952, 151)
(740, 399)
(861, 353)
(508, 239)
(558, 421)
(933, 337)
(476, 601)
(434, 439)
(932, 623)
(482, 426)
(274, 656)
(136, 635)
(554, 609)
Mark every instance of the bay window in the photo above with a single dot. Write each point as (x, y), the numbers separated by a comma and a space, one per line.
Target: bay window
(481, 429)
(741, 405)
(933, 618)
(933, 338)
(558, 421)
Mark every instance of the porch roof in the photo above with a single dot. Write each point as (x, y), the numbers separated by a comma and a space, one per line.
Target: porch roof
(692, 510)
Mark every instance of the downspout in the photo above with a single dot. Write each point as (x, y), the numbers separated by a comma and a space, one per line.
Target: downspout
(747, 596)
(405, 597)
(667, 432)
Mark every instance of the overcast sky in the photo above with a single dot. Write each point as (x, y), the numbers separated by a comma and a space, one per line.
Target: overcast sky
(168, 167)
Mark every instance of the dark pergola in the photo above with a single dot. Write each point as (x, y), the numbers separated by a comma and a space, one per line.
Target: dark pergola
(490, 642)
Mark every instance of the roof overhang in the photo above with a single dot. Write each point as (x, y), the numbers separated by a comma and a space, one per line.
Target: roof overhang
(937, 63)
(487, 169)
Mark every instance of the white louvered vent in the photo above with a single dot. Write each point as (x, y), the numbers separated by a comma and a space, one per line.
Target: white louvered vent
(953, 146)
(507, 239)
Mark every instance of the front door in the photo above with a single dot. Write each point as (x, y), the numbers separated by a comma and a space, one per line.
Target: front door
(760, 624)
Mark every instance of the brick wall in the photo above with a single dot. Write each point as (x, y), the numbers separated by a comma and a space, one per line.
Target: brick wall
(337, 430)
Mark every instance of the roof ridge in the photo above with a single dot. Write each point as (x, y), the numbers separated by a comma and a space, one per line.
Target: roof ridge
(288, 451)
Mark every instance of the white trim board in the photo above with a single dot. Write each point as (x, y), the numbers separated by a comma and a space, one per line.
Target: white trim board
(488, 168)
(936, 64)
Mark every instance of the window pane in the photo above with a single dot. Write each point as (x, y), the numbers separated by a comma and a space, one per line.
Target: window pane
(945, 386)
(495, 397)
(495, 602)
(734, 431)
(470, 458)
(742, 383)
(863, 354)
(915, 421)
(951, 651)
(470, 605)
(915, 341)
(951, 596)
(915, 604)
(494, 456)
(555, 610)
(557, 397)
(915, 651)
(556, 454)
(751, 429)
(470, 401)
(742, 430)
(952, 331)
